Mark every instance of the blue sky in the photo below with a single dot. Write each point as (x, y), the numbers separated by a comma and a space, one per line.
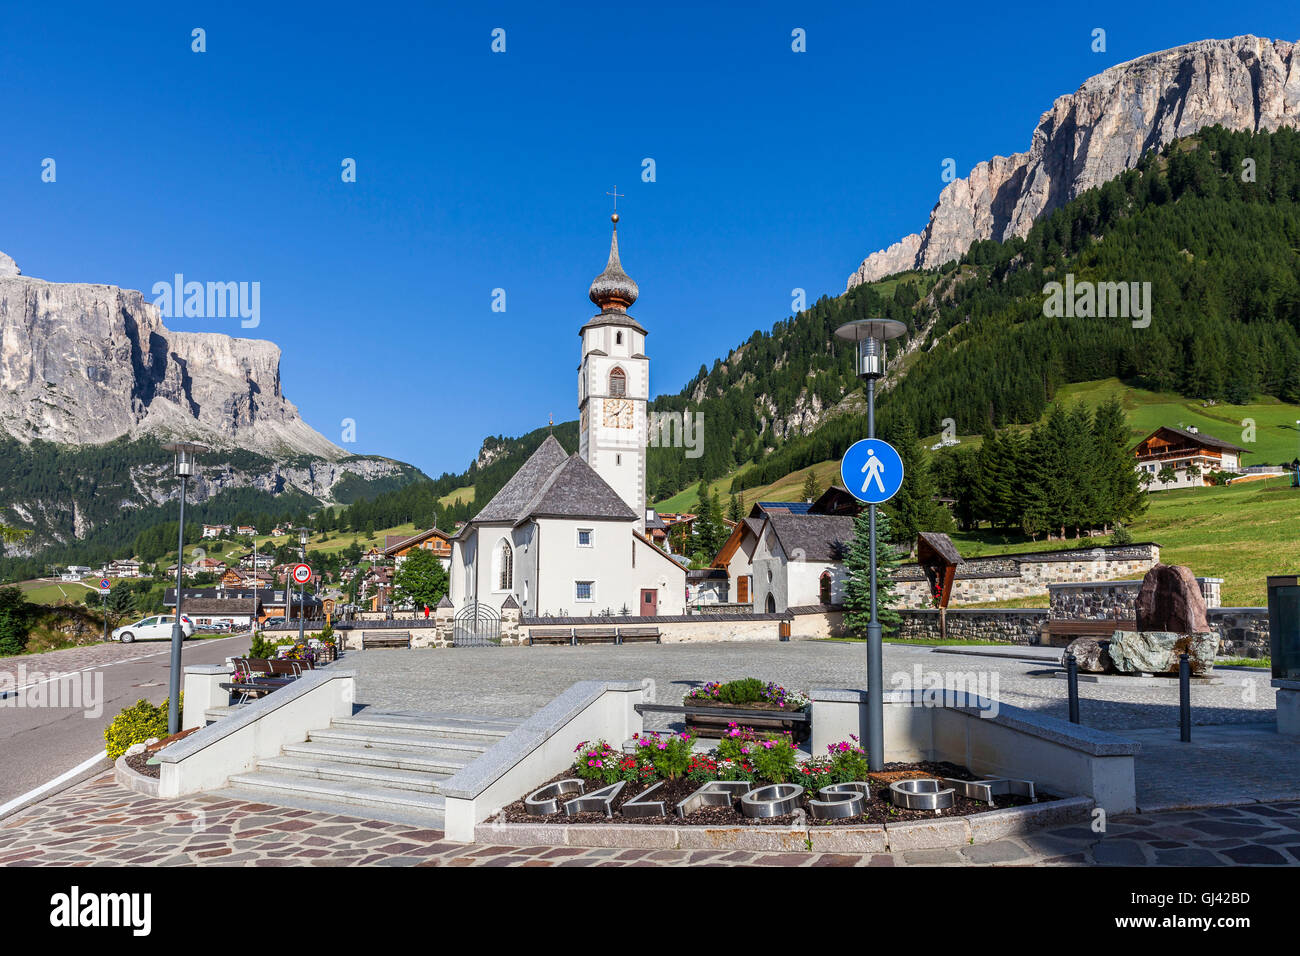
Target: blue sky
(478, 170)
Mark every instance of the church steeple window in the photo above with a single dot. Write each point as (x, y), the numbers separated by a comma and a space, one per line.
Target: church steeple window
(617, 383)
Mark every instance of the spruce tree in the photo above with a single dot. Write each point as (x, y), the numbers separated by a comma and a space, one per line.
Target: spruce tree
(857, 585)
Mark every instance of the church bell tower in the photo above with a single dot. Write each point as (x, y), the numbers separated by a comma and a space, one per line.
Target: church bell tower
(614, 386)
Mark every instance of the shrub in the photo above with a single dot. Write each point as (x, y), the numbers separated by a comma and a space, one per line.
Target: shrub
(260, 647)
(776, 758)
(1121, 535)
(136, 724)
(669, 755)
(15, 621)
(848, 761)
(599, 761)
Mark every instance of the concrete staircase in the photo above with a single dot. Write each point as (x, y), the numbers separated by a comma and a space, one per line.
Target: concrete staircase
(383, 766)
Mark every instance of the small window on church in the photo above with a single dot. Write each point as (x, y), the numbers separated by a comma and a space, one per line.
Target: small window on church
(618, 459)
(617, 383)
(584, 590)
(618, 338)
(584, 538)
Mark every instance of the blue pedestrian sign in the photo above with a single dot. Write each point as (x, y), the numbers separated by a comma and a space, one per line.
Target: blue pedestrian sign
(872, 471)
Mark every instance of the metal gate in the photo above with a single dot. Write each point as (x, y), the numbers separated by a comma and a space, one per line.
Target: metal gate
(477, 625)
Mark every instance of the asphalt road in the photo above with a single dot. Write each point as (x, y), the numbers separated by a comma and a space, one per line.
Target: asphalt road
(51, 727)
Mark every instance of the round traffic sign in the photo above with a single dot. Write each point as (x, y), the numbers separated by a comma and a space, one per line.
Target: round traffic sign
(872, 470)
(105, 584)
(301, 574)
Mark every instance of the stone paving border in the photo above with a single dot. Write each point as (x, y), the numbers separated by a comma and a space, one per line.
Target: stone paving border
(98, 823)
(939, 833)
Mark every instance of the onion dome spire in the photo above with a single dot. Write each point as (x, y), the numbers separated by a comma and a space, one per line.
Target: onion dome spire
(613, 289)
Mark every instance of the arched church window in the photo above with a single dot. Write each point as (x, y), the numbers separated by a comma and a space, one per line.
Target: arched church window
(618, 338)
(505, 567)
(617, 383)
(825, 591)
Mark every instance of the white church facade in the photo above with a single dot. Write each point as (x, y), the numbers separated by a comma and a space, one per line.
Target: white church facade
(565, 536)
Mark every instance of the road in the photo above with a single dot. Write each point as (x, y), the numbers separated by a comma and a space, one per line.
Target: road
(51, 726)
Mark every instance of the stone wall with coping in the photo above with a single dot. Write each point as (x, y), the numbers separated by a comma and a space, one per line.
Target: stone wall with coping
(1007, 576)
(1243, 631)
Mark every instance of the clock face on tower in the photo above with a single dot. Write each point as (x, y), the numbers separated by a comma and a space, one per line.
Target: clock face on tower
(618, 413)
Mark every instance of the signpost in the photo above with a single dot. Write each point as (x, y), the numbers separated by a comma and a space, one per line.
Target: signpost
(104, 586)
(301, 575)
(873, 472)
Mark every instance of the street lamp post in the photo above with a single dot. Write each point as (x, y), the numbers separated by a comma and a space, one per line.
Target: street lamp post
(870, 336)
(303, 534)
(186, 464)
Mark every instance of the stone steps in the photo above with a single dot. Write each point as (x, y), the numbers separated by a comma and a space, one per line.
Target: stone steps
(375, 757)
(383, 766)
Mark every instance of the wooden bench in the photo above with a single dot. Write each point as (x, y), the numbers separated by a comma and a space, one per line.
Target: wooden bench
(395, 639)
(1061, 633)
(259, 676)
(550, 635)
(595, 635)
(638, 635)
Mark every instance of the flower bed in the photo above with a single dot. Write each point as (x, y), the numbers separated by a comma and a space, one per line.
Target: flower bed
(669, 764)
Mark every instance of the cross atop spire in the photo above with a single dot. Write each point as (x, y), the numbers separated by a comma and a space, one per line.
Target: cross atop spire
(616, 194)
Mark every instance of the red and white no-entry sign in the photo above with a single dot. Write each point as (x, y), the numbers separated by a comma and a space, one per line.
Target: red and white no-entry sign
(301, 574)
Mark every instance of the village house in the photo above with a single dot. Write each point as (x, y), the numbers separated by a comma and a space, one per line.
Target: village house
(1179, 448)
(215, 530)
(435, 540)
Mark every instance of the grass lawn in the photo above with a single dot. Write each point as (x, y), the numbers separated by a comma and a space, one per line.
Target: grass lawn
(1241, 533)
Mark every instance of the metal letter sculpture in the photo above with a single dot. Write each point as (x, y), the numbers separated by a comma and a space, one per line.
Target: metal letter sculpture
(715, 793)
(986, 790)
(598, 801)
(642, 806)
(775, 800)
(840, 801)
(923, 794)
(549, 798)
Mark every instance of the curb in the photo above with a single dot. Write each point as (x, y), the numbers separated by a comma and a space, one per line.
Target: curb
(132, 779)
(940, 833)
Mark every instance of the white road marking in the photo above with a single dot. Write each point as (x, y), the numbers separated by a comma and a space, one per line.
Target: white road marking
(63, 675)
(30, 794)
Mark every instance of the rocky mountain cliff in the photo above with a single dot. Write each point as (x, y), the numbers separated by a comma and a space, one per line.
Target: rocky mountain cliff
(1092, 135)
(85, 364)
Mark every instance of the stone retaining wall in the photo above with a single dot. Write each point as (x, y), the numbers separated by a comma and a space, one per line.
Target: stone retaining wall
(1110, 600)
(1243, 631)
(1009, 625)
(1007, 576)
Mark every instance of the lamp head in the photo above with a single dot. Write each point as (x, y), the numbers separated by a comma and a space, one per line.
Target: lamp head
(185, 454)
(871, 336)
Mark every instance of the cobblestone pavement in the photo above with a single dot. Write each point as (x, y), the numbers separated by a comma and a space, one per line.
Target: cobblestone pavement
(100, 823)
(509, 681)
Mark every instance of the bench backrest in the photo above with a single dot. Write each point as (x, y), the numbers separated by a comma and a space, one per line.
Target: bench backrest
(550, 632)
(596, 632)
(638, 631)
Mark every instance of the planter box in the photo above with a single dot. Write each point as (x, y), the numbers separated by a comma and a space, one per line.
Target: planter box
(761, 719)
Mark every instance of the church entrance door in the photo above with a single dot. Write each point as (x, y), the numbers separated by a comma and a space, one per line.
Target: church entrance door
(649, 602)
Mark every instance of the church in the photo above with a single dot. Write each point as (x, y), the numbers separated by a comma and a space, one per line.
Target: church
(565, 536)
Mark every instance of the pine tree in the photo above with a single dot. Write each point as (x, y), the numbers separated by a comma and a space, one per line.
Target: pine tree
(734, 511)
(857, 586)
(810, 491)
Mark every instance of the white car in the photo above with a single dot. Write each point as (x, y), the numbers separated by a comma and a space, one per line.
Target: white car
(156, 628)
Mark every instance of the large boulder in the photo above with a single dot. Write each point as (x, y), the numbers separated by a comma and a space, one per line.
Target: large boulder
(1171, 600)
(1092, 655)
(1157, 652)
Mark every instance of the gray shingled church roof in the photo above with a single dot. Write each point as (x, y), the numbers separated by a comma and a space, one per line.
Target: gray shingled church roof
(574, 490)
(508, 504)
(818, 537)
